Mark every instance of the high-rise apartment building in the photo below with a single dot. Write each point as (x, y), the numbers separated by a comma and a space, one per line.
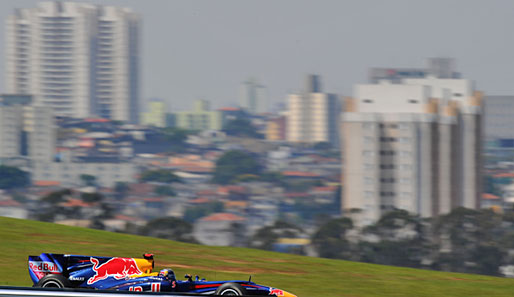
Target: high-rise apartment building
(79, 59)
(26, 129)
(312, 115)
(200, 118)
(156, 115)
(414, 146)
(253, 97)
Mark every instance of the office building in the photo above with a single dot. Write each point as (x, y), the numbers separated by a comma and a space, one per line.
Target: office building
(414, 146)
(79, 59)
(312, 115)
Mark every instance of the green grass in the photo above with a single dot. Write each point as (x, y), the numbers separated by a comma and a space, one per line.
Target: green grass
(303, 276)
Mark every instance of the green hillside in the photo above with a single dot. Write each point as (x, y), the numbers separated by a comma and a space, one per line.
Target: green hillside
(304, 276)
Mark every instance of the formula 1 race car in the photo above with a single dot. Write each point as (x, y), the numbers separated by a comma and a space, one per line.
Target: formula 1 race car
(130, 274)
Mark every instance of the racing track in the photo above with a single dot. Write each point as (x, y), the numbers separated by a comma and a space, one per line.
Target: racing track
(50, 292)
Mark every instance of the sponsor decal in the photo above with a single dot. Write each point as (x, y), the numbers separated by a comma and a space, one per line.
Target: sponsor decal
(276, 292)
(43, 266)
(76, 278)
(119, 268)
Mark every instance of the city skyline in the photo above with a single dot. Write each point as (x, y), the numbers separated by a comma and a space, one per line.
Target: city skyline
(211, 47)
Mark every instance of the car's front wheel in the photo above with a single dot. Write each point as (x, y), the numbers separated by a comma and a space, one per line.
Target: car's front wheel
(53, 281)
(230, 289)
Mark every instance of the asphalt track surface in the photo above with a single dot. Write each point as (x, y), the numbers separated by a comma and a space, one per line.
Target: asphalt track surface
(51, 292)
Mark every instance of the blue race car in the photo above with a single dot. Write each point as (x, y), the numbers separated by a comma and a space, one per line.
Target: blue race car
(130, 274)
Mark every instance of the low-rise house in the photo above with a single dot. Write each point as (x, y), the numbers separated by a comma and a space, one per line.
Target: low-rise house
(220, 229)
(491, 201)
(13, 209)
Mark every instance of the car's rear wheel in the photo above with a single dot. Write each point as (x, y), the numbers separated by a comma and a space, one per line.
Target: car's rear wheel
(230, 289)
(53, 281)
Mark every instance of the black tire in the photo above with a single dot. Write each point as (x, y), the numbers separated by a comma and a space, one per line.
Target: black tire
(53, 281)
(230, 289)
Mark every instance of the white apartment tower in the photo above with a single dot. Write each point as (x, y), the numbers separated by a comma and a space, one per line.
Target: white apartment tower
(313, 115)
(414, 146)
(253, 97)
(79, 59)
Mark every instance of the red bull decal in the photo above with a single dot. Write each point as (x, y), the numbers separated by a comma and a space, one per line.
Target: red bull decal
(42, 266)
(276, 292)
(119, 268)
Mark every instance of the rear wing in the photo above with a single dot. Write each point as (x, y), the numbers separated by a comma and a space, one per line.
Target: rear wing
(66, 265)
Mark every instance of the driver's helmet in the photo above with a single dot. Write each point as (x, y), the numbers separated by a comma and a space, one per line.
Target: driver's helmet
(167, 273)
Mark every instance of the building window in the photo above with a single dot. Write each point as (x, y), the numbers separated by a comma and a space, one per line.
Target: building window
(368, 153)
(368, 194)
(387, 153)
(405, 154)
(405, 195)
(406, 167)
(387, 166)
(405, 180)
(413, 101)
(388, 139)
(390, 180)
(368, 180)
(368, 166)
(369, 140)
(367, 101)
(404, 139)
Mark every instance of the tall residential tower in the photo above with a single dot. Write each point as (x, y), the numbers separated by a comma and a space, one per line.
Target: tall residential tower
(79, 59)
(414, 146)
(313, 115)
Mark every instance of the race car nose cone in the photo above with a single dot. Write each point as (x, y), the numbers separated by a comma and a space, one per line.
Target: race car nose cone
(287, 294)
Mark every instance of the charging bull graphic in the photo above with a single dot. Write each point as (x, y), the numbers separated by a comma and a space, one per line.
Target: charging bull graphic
(119, 268)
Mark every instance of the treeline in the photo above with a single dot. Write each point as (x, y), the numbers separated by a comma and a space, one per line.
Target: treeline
(469, 241)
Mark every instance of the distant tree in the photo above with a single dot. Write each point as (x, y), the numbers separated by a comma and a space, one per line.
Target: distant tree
(265, 237)
(330, 239)
(121, 189)
(13, 177)
(468, 233)
(159, 175)
(177, 137)
(241, 127)
(164, 191)
(403, 240)
(233, 164)
(91, 197)
(194, 213)
(322, 146)
(56, 197)
(169, 228)
(274, 177)
(88, 180)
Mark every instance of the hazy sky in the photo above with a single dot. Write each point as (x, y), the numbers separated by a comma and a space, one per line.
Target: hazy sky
(205, 49)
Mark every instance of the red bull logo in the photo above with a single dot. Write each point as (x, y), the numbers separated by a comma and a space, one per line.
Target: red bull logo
(42, 266)
(119, 268)
(276, 292)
